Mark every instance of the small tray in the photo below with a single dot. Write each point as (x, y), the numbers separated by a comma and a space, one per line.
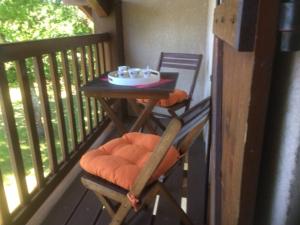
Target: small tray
(113, 78)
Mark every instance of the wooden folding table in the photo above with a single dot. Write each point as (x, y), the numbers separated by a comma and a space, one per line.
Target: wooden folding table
(102, 90)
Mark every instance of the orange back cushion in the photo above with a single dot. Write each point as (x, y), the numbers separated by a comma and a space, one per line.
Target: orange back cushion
(120, 160)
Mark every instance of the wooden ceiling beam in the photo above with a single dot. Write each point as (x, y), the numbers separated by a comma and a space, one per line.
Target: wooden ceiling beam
(101, 7)
(87, 11)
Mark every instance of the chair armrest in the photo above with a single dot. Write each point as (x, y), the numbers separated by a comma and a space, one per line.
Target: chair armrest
(179, 105)
(157, 156)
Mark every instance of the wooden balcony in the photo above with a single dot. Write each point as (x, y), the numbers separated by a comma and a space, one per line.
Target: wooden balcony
(70, 123)
(55, 69)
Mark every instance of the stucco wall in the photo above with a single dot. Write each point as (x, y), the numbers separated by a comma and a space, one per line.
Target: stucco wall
(153, 26)
(279, 196)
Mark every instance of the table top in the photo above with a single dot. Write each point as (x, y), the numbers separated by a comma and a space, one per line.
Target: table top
(100, 87)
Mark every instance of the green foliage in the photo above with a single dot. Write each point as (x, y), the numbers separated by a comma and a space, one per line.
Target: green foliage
(22, 20)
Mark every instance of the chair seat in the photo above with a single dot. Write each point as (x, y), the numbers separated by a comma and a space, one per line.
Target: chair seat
(120, 160)
(175, 97)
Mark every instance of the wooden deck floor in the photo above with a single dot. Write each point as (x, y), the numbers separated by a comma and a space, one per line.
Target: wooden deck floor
(78, 206)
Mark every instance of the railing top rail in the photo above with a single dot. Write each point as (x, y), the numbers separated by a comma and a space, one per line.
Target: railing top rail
(26, 49)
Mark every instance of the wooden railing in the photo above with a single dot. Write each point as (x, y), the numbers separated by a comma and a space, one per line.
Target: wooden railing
(55, 69)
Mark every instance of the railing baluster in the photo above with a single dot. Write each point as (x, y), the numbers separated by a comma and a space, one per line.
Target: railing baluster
(102, 67)
(85, 80)
(98, 74)
(59, 106)
(12, 136)
(33, 137)
(102, 58)
(70, 105)
(45, 107)
(107, 53)
(78, 93)
(97, 59)
(92, 76)
(4, 213)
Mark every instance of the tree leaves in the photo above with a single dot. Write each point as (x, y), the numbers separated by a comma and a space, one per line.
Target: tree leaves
(40, 19)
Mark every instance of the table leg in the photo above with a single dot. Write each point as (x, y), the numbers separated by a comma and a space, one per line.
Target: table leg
(143, 115)
(113, 116)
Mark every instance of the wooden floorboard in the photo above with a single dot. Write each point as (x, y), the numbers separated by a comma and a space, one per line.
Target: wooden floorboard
(62, 212)
(166, 213)
(196, 183)
(81, 207)
(88, 212)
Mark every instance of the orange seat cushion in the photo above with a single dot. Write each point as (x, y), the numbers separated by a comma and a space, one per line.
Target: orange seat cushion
(175, 97)
(120, 160)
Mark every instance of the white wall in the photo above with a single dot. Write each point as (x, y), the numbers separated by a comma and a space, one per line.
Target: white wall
(279, 189)
(153, 26)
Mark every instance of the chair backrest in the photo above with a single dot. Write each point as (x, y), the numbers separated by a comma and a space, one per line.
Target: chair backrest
(185, 61)
(181, 132)
(193, 122)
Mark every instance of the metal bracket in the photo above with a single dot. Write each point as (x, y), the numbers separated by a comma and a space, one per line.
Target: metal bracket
(289, 26)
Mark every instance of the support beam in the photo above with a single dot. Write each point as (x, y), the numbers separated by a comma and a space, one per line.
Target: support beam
(101, 7)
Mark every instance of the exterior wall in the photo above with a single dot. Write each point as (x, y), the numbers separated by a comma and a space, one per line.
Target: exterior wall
(153, 26)
(110, 24)
(279, 196)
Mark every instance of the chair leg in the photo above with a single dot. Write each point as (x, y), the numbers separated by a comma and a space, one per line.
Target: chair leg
(121, 213)
(107, 205)
(184, 218)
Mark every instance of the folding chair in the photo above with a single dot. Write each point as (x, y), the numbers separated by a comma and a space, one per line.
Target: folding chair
(179, 98)
(146, 184)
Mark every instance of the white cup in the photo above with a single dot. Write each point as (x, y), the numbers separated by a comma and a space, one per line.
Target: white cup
(134, 72)
(122, 71)
(146, 73)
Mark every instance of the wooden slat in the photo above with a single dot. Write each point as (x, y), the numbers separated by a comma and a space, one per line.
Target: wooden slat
(30, 121)
(21, 50)
(45, 108)
(107, 53)
(97, 59)
(102, 67)
(181, 61)
(4, 213)
(178, 55)
(59, 106)
(91, 77)
(178, 66)
(85, 80)
(69, 100)
(102, 57)
(76, 75)
(98, 73)
(12, 137)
